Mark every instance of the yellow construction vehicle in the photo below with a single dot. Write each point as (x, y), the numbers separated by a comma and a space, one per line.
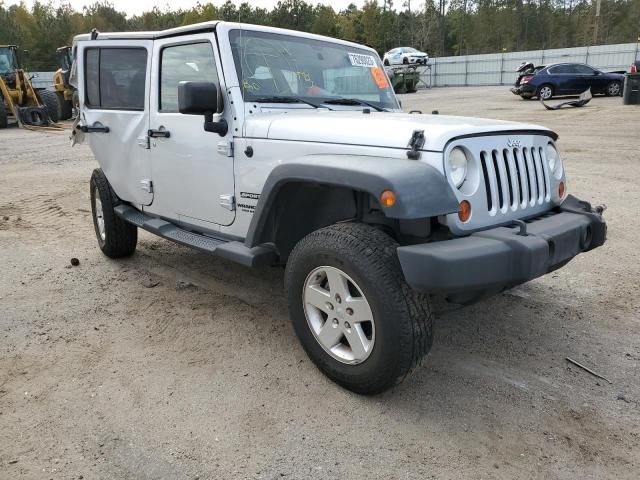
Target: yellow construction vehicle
(67, 94)
(18, 98)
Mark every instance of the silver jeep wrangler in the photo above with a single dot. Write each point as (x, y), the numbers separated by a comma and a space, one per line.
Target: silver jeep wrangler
(275, 147)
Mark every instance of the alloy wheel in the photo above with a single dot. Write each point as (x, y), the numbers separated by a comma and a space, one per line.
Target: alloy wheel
(545, 93)
(339, 315)
(99, 216)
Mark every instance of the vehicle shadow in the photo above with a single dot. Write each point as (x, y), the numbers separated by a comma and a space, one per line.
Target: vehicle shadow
(500, 345)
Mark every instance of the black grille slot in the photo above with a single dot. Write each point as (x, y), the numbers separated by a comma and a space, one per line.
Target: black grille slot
(518, 173)
(494, 155)
(534, 161)
(507, 167)
(526, 167)
(487, 185)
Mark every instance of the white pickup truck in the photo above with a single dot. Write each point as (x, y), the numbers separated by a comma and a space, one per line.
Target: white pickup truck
(275, 147)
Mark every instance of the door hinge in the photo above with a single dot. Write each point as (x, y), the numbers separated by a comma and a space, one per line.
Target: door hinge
(225, 148)
(144, 142)
(228, 201)
(146, 185)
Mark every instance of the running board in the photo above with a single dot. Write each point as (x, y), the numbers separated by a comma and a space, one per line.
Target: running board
(231, 250)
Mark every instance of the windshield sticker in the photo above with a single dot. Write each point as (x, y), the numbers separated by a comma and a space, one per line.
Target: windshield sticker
(359, 60)
(379, 77)
(247, 85)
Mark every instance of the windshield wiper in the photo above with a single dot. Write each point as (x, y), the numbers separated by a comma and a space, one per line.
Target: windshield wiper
(353, 101)
(283, 99)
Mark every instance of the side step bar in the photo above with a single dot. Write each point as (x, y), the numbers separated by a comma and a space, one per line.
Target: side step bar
(232, 250)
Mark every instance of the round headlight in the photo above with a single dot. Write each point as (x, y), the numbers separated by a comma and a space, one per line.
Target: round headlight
(553, 159)
(458, 166)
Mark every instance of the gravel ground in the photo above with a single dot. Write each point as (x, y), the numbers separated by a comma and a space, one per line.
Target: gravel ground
(173, 364)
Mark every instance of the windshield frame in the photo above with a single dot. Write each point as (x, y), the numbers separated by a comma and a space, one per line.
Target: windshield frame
(231, 30)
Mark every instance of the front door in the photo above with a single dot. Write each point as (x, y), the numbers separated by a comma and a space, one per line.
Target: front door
(114, 101)
(192, 169)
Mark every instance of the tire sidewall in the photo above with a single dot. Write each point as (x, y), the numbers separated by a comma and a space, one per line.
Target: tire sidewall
(387, 340)
(106, 202)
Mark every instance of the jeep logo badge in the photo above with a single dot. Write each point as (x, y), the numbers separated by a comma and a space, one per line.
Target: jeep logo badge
(514, 143)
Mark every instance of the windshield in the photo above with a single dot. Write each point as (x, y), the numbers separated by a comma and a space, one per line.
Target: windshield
(276, 65)
(8, 62)
(409, 50)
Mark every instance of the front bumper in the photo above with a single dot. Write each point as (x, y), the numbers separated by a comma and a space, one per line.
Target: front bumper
(418, 60)
(492, 260)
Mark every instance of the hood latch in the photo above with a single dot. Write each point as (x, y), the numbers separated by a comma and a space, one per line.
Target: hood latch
(416, 142)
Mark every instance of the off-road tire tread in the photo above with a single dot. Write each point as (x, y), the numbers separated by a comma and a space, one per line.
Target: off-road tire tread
(65, 112)
(51, 104)
(121, 236)
(375, 251)
(4, 114)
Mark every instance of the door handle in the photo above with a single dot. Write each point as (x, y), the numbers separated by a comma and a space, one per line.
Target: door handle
(160, 133)
(94, 129)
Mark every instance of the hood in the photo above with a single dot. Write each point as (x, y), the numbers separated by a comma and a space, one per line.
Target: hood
(376, 129)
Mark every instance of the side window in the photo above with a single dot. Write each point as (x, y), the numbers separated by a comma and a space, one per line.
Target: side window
(561, 69)
(583, 70)
(115, 78)
(193, 62)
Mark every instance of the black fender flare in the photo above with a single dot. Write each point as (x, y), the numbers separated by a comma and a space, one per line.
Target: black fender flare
(421, 190)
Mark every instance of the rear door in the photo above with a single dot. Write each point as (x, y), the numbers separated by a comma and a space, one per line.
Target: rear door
(192, 169)
(114, 98)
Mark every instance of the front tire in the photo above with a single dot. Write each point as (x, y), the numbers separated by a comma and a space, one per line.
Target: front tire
(356, 317)
(116, 238)
(614, 89)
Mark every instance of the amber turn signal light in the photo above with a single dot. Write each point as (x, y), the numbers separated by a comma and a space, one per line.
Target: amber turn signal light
(561, 189)
(464, 211)
(388, 198)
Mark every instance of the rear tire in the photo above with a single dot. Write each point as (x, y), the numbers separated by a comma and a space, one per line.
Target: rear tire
(400, 330)
(66, 108)
(51, 104)
(4, 115)
(386, 62)
(116, 238)
(613, 89)
(544, 92)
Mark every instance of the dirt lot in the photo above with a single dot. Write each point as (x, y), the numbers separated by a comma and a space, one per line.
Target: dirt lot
(173, 364)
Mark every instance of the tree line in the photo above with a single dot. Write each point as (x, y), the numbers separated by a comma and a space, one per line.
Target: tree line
(439, 27)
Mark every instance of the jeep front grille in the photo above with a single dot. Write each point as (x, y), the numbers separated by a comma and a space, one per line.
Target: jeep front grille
(515, 179)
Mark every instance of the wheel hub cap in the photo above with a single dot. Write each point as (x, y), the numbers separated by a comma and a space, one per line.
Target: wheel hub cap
(338, 315)
(99, 216)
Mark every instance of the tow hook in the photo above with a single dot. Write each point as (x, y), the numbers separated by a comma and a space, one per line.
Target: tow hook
(522, 225)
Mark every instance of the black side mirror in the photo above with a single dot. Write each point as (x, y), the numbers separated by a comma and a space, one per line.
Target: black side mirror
(202, 98)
